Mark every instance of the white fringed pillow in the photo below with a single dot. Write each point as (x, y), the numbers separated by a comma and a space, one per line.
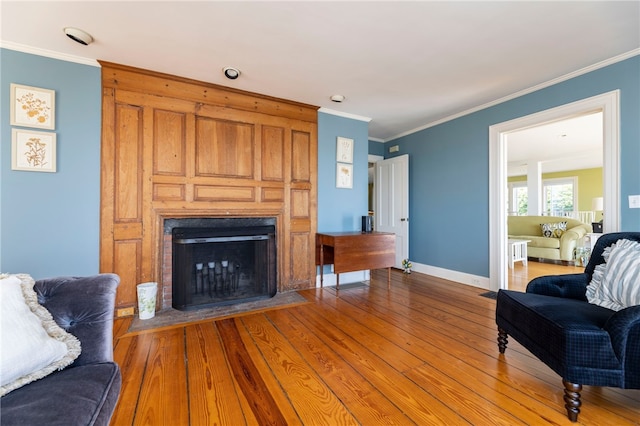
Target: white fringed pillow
(615, 284)
(33, 345)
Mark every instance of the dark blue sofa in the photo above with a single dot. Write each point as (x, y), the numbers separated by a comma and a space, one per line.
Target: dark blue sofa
(86, 392)
(584, 343)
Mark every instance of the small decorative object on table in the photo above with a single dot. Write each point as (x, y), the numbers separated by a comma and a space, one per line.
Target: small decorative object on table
(406, 264)
(585, 254)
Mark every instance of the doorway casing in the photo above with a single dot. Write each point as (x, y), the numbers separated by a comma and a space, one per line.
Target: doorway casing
(608, 104)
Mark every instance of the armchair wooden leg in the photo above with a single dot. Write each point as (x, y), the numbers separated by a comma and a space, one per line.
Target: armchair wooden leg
(502, 340)
(572, 399)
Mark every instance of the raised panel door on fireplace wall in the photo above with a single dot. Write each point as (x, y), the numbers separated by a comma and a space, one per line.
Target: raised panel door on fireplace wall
(301, 147)
(301, 207)
(273, 153)
(224, 148)
(169, 143)
(170, 151)
(122, 212)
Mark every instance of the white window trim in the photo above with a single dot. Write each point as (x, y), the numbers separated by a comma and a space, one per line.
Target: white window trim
(573, 180)
(512, 186)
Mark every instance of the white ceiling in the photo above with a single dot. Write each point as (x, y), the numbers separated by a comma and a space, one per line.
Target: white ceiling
(404, 65)
(572, 144)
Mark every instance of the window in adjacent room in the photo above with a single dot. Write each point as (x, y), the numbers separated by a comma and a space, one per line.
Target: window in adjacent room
(518, 198)
(559, 197)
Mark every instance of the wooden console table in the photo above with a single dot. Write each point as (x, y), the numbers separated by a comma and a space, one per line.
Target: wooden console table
(355, 251)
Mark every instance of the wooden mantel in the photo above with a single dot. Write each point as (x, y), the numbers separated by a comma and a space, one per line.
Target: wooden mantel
(174, 147)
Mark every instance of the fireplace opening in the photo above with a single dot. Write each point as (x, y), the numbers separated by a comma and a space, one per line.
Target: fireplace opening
(223, 261)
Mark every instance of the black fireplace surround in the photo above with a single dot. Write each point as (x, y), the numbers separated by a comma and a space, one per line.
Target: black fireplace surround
(221, 261)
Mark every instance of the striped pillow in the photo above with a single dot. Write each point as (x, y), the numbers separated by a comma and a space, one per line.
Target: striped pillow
(616, 283)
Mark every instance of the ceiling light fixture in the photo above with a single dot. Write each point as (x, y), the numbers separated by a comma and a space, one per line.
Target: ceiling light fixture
(78, 36)
(337, 98)
(231, 73)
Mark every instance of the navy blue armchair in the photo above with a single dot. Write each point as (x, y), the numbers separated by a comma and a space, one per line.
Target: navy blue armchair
(584, 343)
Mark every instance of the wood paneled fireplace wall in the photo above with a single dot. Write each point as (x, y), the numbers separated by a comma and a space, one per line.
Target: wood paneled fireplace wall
(179, 148)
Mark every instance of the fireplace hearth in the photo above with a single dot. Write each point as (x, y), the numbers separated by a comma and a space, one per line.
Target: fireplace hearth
(221, 261)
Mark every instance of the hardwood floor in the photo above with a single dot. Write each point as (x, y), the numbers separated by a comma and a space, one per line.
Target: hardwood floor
(521, 274)
(423, 352)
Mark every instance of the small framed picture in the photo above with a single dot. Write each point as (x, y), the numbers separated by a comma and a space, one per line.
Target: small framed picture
(344, 175)
(33, 151)
(32, 107)
(344, 151)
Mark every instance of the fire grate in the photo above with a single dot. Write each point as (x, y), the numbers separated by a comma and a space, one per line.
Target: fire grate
(223, 262)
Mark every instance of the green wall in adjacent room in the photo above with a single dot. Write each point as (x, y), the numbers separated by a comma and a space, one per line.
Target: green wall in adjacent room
(589, 185)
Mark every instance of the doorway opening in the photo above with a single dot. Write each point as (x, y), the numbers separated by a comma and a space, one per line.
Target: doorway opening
(550, 168)
(608, 104)
(371, 168)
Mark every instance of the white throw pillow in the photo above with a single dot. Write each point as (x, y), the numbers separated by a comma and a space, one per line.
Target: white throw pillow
(33, 345)
(615, 284)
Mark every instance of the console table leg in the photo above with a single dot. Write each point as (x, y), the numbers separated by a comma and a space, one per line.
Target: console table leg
(388, 278)
(321, 265)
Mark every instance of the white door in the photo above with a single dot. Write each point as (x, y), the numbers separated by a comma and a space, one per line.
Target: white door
(391, 210)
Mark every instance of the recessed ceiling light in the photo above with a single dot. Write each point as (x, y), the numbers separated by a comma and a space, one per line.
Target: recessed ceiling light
(337, 98)
(78, 35)
(231, 73)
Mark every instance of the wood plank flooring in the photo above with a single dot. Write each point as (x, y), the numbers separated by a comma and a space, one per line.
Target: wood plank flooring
(423, 352)
(521, 274)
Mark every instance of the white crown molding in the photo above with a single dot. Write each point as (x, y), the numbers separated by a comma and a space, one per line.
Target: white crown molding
(48, 53)
(540, 86)
(344, 114)
(92, 62)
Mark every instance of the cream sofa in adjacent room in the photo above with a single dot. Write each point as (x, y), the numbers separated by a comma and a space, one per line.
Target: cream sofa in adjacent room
(552, 248)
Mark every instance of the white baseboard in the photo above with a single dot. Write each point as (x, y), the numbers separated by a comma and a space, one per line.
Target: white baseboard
(447, 274)
(345, 278)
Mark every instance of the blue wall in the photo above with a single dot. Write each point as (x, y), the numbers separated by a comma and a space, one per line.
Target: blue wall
(341, 209)
(49, 222)
(376, 148)
(449, 175)
(449, 168)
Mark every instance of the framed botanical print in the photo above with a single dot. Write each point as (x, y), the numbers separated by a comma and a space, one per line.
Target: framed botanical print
(32, 107)
(344, 151)
(33, 151)
(344, 175)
